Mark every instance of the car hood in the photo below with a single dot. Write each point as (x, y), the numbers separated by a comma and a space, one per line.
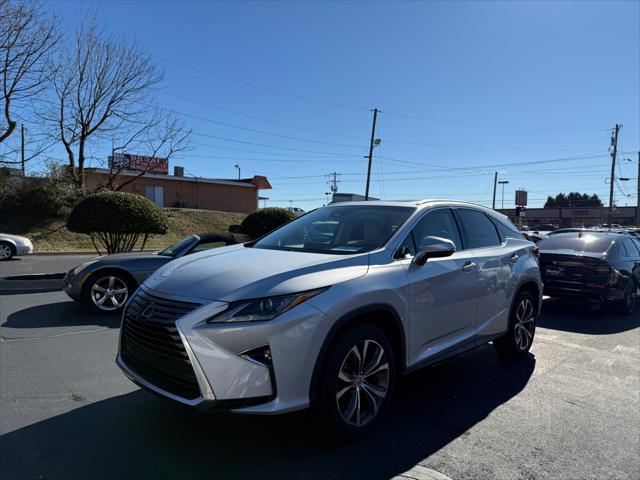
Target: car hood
(133, 261)
(237, 272)
(15, 238)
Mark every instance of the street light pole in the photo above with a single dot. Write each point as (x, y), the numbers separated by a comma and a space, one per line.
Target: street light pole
(238, 167)
(495, 186)
(503, 183)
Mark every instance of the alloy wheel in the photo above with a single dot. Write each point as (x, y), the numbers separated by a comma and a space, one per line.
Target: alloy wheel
(5, 252)
(109, 293)
(524, 324)
(363, 383)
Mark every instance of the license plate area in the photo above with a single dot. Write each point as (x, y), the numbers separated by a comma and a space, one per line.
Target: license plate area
(554, 271)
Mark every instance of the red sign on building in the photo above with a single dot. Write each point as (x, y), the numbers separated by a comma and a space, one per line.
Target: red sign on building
(139, 163)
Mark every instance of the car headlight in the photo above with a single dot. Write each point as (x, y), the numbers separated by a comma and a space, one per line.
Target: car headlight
(262, 309)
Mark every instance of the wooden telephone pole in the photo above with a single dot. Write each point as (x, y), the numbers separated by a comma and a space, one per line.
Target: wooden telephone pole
(370, 157)
(614, 153)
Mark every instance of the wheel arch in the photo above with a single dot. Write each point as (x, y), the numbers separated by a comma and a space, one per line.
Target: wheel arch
(11, 244)
(528, 286)
(380, 315)
(126, 276)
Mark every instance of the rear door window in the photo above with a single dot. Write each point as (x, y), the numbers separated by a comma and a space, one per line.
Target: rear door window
(477, 229)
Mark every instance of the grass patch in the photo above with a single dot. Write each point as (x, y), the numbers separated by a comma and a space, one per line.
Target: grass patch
(51, 234)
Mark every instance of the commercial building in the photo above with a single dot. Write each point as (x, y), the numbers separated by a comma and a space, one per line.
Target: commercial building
(567, 217)
(226, 195)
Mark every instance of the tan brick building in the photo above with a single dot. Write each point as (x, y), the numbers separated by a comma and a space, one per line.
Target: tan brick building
(189, 192)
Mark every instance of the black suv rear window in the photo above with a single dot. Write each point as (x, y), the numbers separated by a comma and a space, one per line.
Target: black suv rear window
(584, 242)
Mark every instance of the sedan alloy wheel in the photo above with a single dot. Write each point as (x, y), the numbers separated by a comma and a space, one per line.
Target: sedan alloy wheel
(109, 293)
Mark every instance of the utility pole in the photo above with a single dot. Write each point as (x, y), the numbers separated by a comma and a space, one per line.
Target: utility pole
(333, 182)
(495, 187)
(22, 152)
(373, 134)
(614, 152)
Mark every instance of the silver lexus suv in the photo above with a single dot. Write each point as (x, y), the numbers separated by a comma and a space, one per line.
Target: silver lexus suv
(331, 308)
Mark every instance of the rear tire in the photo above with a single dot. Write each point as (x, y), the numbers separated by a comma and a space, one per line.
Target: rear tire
(630, 301)
(522, 327)
(357, 381)
(6, 251)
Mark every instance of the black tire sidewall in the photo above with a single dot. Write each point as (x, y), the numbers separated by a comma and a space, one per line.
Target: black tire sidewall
(12, 249)
(329, 379)
(512, 322)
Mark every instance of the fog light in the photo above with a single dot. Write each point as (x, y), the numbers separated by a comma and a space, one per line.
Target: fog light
(261, 355)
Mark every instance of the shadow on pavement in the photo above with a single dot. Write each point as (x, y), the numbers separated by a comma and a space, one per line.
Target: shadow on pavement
(584, 317)
(62, 314)
(138, 436)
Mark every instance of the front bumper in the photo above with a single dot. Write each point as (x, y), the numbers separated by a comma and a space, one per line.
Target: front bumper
(72, 286)
(227, 377)
(24, 249)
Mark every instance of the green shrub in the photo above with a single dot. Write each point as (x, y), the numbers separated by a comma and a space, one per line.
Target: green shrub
(116, 220)
(51, 195)
(265, 220)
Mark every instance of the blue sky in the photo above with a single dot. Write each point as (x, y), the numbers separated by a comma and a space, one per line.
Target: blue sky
(531, 89)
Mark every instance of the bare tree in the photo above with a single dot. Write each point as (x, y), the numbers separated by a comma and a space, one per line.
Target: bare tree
(103, 89)
(27, 38)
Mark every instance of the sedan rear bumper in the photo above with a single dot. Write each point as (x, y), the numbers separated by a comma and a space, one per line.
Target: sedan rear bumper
(582, 290)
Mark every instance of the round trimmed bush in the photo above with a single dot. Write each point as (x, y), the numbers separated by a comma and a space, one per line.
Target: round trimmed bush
(117, 220)
(265, 220)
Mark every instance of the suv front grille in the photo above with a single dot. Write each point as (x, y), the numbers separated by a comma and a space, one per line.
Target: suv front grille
(151, 346)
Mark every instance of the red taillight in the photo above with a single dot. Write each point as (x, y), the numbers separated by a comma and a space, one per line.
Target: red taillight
(536, 252)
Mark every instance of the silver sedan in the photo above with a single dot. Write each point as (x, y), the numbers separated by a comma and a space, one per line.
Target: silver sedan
(107, 282)
(14, 245)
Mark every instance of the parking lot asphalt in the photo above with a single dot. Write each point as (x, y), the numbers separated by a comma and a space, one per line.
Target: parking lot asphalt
(40, 264)
(570, 410)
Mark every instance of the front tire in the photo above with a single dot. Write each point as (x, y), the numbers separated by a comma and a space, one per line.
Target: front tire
(522, 327)
(358, 380)
(6, 251)
(108, 292)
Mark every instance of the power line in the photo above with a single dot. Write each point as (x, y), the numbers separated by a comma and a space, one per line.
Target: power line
(261, 87)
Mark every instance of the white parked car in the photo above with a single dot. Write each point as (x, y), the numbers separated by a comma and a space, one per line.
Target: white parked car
(14, 245)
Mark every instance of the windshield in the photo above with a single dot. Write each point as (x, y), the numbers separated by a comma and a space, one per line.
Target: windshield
(580, 243)
(176, 248)
(339, 230)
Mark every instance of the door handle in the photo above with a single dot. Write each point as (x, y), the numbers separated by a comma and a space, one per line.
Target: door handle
(514, 258)
(469, 266)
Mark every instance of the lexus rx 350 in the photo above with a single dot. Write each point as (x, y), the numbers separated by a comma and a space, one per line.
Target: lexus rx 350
(331, 308)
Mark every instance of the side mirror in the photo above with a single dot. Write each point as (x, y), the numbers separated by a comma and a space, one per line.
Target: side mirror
(434, 247)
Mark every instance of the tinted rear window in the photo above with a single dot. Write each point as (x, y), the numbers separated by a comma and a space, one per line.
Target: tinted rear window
(584, 243)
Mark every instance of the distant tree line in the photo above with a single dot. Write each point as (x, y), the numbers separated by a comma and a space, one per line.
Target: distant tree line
(573, 199)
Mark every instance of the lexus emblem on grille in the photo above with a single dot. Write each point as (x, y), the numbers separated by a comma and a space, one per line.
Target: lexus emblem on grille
(145, 312)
